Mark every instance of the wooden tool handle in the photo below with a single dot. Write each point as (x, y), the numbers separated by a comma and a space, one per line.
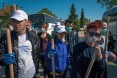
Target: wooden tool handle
(10, 51)
(53, 66)
(9, 41)
(106, 41)
(52, 44)
(90, 65)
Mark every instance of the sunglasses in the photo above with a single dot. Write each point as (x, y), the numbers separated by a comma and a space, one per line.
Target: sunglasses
(94, 34)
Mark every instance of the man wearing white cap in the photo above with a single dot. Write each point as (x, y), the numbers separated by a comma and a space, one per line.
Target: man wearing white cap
(24, 44)
(60, 53)
(19, 20)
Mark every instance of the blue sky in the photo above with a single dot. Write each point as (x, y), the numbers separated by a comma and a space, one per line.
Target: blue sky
(61, 8)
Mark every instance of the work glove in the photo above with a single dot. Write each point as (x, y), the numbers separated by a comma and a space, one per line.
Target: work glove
(9, 58)
(51, 53)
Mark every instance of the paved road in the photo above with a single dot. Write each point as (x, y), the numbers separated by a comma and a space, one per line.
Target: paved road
(111, 70)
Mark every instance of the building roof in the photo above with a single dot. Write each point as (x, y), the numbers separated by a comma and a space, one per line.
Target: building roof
(6, 9)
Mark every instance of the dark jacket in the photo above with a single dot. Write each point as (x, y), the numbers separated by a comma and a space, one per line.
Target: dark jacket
(82, 55)
(61, 57)
(71, 40)
(43, 42)
(14, 40)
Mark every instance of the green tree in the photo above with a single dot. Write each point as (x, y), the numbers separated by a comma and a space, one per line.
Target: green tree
(107, 3)
(86, 21)
(89, 20)
(76, 24)
(73, 16)
(45, 10)
(82, 21)
(4, 20)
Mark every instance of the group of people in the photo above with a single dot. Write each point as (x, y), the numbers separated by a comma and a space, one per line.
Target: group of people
(71, 57)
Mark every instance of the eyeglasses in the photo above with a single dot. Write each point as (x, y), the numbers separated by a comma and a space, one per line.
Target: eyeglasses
(96, 34)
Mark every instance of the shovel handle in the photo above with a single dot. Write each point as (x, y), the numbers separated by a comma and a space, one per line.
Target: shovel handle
(53, 66)
(10, 51)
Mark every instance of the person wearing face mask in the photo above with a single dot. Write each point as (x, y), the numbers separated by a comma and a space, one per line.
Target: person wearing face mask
(60, 53)
(24, 46)
(44, 39)
(111, 41)
(71, 39)
(84, 51)
(103, 33)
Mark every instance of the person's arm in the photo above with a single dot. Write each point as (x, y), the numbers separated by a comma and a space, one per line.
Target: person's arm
(49, 37)
(48, 48)
(68, 55)
(2, 49)
(100, 63)
(74, 63)
(77, 60)
(36, 50)
(77, 37)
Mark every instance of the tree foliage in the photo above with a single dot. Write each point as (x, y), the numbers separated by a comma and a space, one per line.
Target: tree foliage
(4, 20)
(82, 21)
(73, 16)
(86, 21)
(47, 11)
(76, 24)
(107, 3)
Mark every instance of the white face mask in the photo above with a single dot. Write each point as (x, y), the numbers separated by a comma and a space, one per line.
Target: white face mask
(92, 39)
(42, 30)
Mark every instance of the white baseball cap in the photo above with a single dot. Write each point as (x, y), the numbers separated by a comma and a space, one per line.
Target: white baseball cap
(60, 29)
(19, 15)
